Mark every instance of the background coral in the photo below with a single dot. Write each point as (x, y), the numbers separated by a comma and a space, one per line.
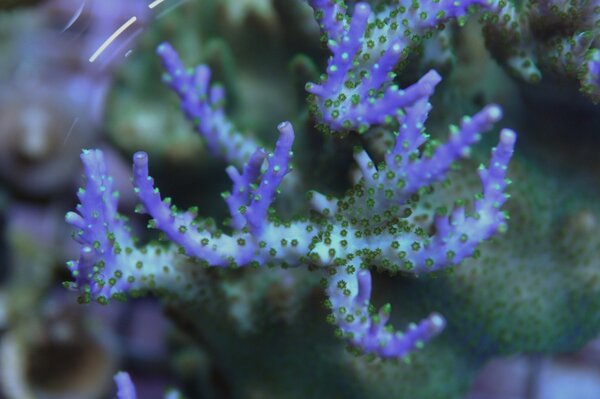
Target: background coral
(559, 37)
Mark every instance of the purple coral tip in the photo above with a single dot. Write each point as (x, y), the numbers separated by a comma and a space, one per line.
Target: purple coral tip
(140, 159)
(125, 387)
(508, 137)
(437, 323)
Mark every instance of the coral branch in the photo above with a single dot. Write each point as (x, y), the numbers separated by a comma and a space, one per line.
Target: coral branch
(432, 168)
(179, 226)
(242, 187)
(110, 265)
(204, 104)
(349, 295)
(358, 91)
(278, 167)
(125, 387)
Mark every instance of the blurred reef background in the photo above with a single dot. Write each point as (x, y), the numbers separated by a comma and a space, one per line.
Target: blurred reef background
(522, 317)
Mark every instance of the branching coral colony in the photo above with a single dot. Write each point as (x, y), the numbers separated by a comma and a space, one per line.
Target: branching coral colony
(387, 220)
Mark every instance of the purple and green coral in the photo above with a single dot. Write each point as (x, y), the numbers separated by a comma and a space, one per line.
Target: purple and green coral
(402, 216)
(384, 221)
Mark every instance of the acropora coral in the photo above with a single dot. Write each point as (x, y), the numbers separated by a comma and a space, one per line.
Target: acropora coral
(409, 212)
(378, 223)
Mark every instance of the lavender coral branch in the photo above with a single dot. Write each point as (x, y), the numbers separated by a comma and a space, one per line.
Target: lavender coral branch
(125, 387)
(204, 104)
(211, 246)
(377, 223)
(358, 90)
(350, 293)
(278, 166)
(110, 264)
(242, 187)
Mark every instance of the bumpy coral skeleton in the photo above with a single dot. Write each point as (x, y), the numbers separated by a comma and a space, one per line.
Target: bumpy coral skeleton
(384, 221)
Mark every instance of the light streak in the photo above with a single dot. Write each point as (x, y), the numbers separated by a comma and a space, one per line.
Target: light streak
(155, 3)
(112, 37)
(121, 48)
(70, 130)
(74, 17)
